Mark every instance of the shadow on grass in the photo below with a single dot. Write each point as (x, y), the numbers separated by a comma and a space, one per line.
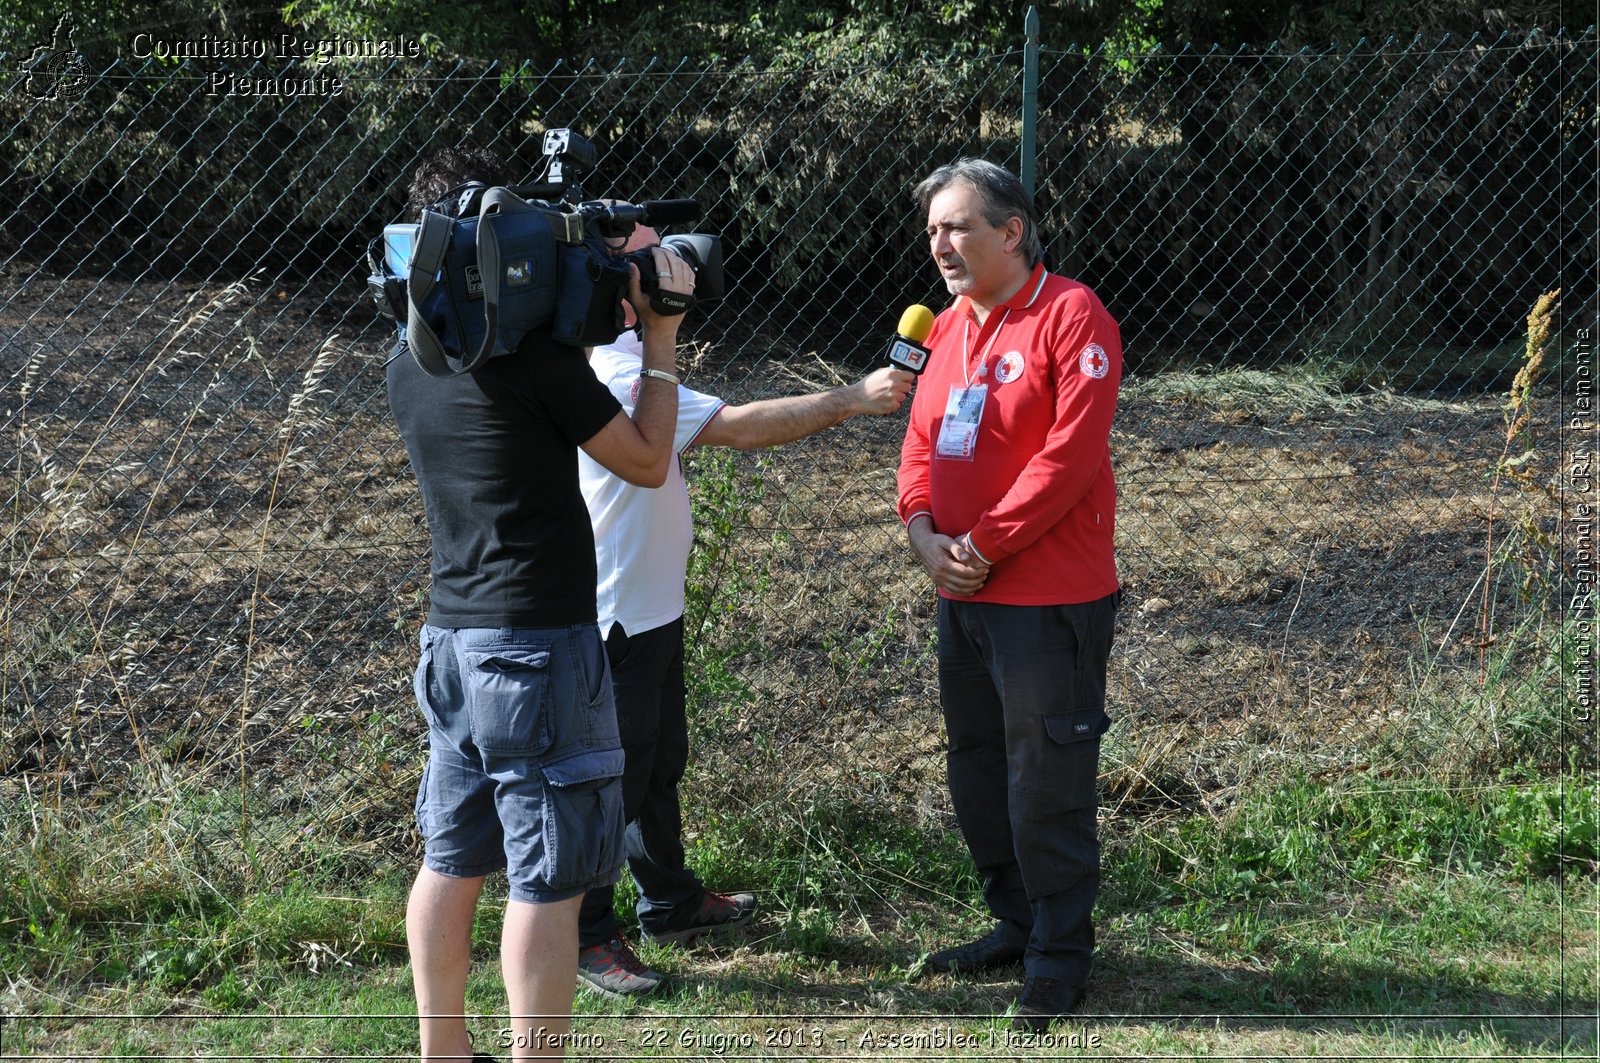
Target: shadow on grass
(1319, 995)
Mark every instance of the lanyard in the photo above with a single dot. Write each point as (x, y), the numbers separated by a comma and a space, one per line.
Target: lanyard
(983, 361)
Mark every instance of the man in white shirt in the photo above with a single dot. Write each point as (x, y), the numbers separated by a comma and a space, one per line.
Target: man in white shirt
(642, 542)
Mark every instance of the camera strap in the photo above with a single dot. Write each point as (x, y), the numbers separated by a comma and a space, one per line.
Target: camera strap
(428, 261)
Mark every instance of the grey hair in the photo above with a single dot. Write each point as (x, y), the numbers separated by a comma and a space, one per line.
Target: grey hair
(1002, 193)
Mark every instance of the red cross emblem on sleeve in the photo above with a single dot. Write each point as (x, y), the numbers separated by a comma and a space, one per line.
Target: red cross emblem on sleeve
(1094, 362)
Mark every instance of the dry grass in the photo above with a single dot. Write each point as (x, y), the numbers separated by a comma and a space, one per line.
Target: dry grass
(1289, 557)
(215, 561)
(214, 574)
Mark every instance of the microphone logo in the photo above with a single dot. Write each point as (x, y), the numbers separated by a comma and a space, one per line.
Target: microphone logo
(906, 350)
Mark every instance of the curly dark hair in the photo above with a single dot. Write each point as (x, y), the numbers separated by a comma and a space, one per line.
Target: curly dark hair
(449, 167)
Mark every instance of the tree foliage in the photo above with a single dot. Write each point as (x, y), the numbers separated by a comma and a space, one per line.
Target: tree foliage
(542, 31)
(734, 30)
(800, 128)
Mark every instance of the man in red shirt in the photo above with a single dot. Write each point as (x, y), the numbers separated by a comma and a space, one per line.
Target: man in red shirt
(1007, 493)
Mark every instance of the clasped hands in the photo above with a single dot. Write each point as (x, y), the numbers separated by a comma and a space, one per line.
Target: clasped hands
(951, 562)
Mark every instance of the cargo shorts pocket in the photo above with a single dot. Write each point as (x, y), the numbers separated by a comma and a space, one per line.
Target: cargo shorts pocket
(583, 824)
(1072, 762)
(420, 805)
(422, 676)
(508, 691)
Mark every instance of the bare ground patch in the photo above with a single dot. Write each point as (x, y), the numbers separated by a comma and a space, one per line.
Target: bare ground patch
(215, 560)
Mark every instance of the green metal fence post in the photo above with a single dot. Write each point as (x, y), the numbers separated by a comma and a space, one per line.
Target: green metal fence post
(1030, 98)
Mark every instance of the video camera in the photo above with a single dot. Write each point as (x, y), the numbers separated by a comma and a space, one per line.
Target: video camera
(485, 266)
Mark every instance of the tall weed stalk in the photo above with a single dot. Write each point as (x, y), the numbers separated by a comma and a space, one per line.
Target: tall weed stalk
(65, 502)
(1536, 550)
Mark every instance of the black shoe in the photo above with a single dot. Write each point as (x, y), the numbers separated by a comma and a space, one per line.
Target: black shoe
(714, 911)
(1043, 1001)
(997, 948)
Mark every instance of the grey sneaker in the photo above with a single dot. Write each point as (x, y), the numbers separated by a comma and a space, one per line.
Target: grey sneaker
(998, 948)
(717, 911)
(1043, 1001)
(614, 970)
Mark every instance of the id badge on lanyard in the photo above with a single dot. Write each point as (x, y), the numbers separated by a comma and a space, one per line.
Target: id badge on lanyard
(958, 434)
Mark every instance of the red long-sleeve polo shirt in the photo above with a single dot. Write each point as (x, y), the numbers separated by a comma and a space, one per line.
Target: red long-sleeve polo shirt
(1038, 496)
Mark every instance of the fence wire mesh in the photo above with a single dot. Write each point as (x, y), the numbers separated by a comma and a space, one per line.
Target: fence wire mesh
(215, 557)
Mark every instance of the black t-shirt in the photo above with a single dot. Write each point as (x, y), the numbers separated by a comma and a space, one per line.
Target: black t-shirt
(496, 454)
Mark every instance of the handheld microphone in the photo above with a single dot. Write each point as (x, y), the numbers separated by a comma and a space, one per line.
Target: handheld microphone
(906, 350)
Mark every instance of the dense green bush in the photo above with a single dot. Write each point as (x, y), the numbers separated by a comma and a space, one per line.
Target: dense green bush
(1256, 200)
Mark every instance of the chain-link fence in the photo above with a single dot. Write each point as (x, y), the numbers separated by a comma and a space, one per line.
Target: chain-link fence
(215, 557)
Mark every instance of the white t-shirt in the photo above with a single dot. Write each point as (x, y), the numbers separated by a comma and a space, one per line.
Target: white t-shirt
(642, 535)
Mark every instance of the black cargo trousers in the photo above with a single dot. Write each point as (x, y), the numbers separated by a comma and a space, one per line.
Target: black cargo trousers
(1023, 690)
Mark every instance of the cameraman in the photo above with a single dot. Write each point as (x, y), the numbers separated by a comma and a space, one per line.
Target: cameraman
(525, 763)
(643, 539)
